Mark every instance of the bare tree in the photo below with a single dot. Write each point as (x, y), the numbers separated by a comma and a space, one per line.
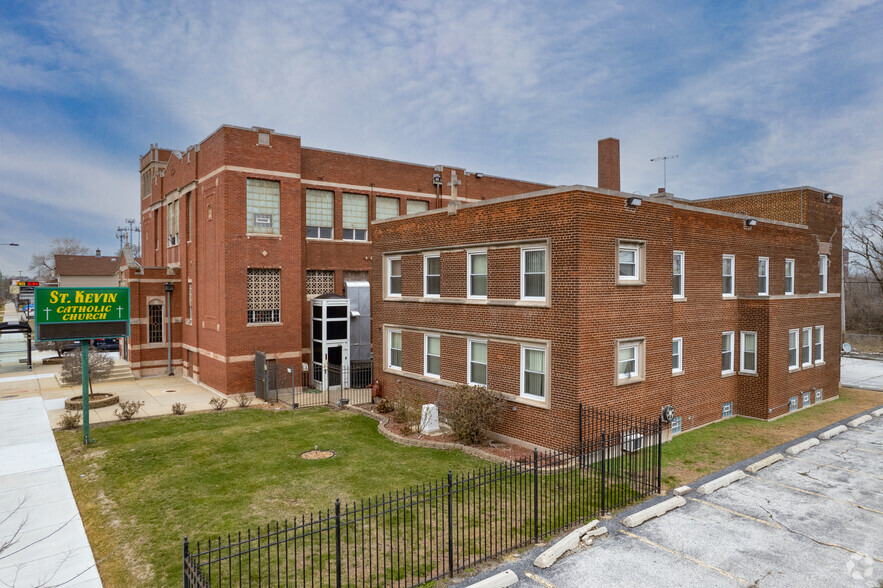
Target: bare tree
(44, 263)
(100, 368)
(864, 239)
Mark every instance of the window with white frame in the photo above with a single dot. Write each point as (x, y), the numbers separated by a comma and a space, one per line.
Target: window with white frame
(677, 355)
(728, 271)
(793, 344)
(533, 274)
(173, 210)
(320, 214)
(806, 347)
(727, 352)
(677, 288)
(394, 276)
(533, 372)
(394, 358)
(477, 275)
(417, 206)
(432, 356)
(763, 278)
(823, 274)
(386, 207)
(789, 276)
(792, 403)
(432, 275)
(262, 206)
(749, 352)
(819, 348)
(676, 425)
(263, 295)
(355, 217)
(727, 410)
(629, 360)
(476, 352)
(629, 262)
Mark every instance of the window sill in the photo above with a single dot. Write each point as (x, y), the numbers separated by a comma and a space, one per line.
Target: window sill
(792, 370)
(279, 324)
(751, 374)
(728, 296)
(728, 374)
(527, 400)
(677, 373)
(627, 381)
(678, 298)
(262, 236)
(621, 282)
(805, 366)
(432, 295)
(819, 363)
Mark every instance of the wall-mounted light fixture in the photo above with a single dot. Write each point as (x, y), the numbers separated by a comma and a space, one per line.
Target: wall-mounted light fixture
(828, 197)
(633, 201)
(479, 175)
(750, 222)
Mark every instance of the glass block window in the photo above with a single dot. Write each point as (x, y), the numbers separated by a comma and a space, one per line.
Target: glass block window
(262, 206)
(386, 207)
(727, 410)
(477, 362)
(818, 395)
(154, 323)
(355, 217)
(676, 425)
(320, 282)
(320, 214)
(792, 403)
(478, 275)
(533, 274)
(264, 295)
(533, 372)
(432, 367)
(806, 399)
(417, 206)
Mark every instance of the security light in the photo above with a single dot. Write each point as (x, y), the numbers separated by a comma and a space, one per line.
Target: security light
(828, 197)
(633, 201)
(750, 222)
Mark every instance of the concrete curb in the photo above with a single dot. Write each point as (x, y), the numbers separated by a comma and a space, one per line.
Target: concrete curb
(832, 432)
(681, 490)
(878, 413)
(795, 449)
(654, 511)
(506, 578)
(721, 482)
(765, 462)
(859, 421)
(570, 541)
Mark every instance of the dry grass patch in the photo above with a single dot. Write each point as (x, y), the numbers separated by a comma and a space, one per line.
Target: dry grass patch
(702, 451)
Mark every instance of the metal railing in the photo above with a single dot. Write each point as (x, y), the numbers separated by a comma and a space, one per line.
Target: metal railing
(320, 386)
(434, 530)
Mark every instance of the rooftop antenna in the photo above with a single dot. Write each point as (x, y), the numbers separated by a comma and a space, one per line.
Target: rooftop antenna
(664, 159)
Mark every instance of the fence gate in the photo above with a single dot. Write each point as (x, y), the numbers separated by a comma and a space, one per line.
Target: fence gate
(261, 379)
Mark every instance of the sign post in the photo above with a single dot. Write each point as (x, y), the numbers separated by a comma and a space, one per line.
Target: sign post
(63, 314)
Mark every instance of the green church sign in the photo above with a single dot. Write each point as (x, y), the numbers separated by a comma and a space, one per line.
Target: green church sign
(81, 313)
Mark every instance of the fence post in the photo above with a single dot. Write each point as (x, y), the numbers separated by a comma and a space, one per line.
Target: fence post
(659, 459)
(603, 471)
(450, 523)
(337, 537)
(581, 451)
(186, 557)
(536, 498)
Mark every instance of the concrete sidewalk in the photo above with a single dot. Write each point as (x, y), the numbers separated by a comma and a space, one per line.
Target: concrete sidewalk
(37, 508)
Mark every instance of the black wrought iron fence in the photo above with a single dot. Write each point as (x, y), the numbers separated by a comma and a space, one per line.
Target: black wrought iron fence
(296, 385)
(437, 529)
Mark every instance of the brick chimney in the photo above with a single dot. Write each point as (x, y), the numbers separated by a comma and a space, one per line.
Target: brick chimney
(608, 164)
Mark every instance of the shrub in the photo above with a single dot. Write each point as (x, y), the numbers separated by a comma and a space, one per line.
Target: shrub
(243, 399)
(406, 407)
(179, 408)
(471, 411)
(70, 420)
(218, 403)
(384, 406)
(128, 409)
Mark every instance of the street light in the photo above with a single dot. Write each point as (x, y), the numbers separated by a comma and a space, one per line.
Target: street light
(10, 244)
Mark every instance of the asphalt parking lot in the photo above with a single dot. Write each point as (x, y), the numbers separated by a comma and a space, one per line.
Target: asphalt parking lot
(814, 519)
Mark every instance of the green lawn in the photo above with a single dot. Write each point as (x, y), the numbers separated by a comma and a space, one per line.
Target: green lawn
(144, 485)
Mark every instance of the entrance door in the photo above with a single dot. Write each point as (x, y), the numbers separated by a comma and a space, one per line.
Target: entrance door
(335, 364)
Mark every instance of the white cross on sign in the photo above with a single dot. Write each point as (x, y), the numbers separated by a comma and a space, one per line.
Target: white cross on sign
(47, 313)
(120, 311)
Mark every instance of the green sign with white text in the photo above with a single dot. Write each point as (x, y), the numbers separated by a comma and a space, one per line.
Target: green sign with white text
(81, 313)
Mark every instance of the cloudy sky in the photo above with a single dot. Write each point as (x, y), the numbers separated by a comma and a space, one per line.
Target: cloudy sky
(750, 95)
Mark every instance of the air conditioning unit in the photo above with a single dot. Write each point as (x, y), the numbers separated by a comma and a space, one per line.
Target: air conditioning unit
(263, 219)
(632, 442)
